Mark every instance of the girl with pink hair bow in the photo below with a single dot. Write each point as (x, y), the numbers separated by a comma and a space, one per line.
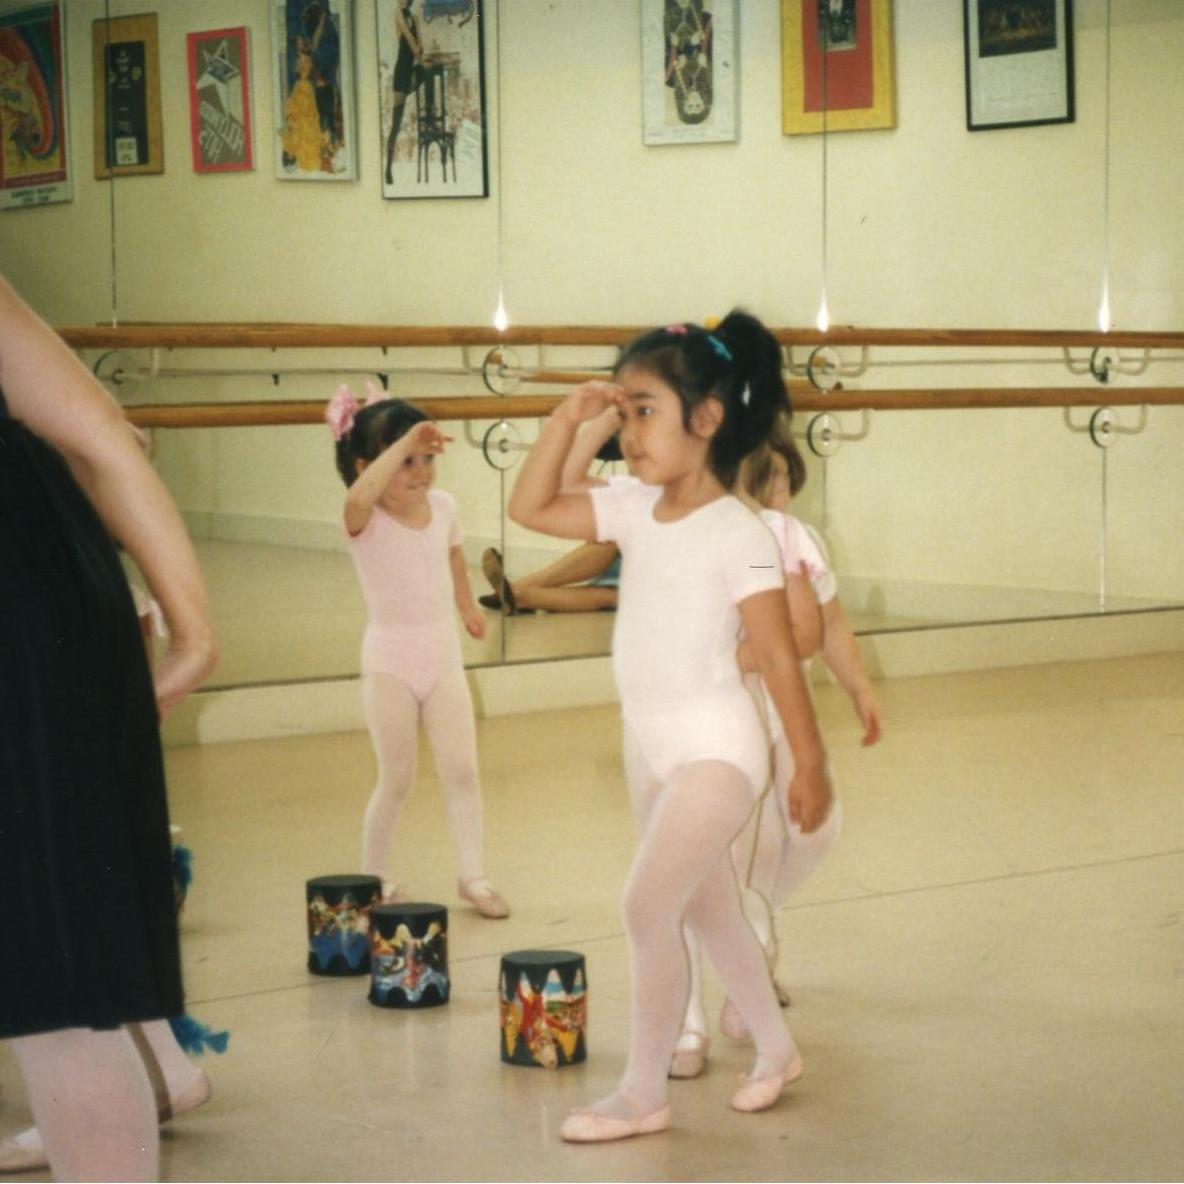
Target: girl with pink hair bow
(405, 542)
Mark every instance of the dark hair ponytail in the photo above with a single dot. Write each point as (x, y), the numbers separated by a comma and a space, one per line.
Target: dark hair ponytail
(738, 363)
(375, 428)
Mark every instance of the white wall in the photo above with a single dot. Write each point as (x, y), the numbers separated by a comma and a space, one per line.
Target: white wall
(929, 225)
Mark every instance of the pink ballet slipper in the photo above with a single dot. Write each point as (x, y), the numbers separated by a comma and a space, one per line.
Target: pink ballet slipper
(482, 895)
(586, 1126)
(759, 1093)
(690, 1054)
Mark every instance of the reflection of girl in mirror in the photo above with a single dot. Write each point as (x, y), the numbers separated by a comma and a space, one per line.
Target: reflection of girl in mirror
(697, 565)
(406, 546)
(772, 855)
(405, 77)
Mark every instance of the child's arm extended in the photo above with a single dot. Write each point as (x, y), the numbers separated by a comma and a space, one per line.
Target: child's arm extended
(595, 434)
(472, 616)
(766, 621)
(840, 652)
(364, 493)
(538, 500)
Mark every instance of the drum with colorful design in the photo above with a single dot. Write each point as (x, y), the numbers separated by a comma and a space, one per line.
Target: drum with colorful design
(409, 955)
(339, 921)
(543, 1005)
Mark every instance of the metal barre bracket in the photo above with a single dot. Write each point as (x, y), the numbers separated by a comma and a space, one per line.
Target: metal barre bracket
(1104, 360)
(824, 434)
(1103, 427)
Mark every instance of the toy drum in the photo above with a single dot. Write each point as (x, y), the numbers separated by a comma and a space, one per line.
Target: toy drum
(543, 1006)
(338, 920)
(409, 955)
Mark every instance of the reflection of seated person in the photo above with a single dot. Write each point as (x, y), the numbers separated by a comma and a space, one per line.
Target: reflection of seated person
(585, 579)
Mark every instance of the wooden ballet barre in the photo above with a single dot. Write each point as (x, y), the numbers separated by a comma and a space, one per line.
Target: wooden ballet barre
(277, 335)
(232, 415)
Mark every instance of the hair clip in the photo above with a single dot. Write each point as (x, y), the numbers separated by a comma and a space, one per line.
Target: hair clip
(719, 347)
(341, 411)
(746, 395)
(676, 330)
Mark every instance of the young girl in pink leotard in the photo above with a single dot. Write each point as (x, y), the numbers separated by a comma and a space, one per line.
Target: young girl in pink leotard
(405, 543)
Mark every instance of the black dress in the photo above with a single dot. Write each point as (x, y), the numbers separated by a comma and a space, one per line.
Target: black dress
(89, 923)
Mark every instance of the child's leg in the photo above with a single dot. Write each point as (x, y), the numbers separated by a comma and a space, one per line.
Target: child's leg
(92, 1103)
(452, 733)
(392, 715)
(178, 1086)
(684, 850)
(583, 563)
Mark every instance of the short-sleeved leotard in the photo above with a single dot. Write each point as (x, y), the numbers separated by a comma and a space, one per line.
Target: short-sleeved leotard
(407, 585)
(678, 624)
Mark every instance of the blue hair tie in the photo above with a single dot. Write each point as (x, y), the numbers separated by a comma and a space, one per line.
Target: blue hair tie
(719, 347)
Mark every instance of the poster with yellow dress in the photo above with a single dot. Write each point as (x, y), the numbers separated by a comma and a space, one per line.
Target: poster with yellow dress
(314, 90)
(34, 140)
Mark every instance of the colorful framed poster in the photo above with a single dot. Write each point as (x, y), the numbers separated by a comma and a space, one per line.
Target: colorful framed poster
(431, 87)
(1019, 62)
(836, 66)
(689, 71)
(129, 140)
(313, 44)
(34, 134)
(220, 101)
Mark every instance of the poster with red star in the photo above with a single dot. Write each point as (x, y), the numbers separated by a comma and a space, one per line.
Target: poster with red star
(220, 101)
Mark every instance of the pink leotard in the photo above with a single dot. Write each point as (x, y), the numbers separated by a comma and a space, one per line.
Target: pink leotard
(407, 585)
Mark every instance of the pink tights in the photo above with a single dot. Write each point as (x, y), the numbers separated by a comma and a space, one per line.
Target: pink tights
(92, 1102)
(393, 715)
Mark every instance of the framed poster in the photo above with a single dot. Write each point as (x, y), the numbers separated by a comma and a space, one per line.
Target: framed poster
(313, 43)
(128, 136)
(220, 100)
(431, 107)
(689, 71)
(836, 66)
(1019, 62)
(34, 135)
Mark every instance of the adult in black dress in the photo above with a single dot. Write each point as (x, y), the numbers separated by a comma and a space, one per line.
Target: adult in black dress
(85, 873)
(405, 76)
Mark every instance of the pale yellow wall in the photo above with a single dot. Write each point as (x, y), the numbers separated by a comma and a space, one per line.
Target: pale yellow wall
(928, 225)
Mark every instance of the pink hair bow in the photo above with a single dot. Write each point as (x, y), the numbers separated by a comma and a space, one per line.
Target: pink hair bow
(341, 412)
(374, 393)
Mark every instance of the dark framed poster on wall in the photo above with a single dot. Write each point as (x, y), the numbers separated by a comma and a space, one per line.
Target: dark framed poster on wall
(431, 87)
(1019, 62)
(129, 140)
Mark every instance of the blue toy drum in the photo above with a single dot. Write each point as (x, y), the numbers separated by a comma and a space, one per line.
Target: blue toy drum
(339, 921)
(409, 955)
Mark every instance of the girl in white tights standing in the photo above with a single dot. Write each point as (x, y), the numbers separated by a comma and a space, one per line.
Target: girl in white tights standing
(772, 857)
(697, 566)
(405, 543)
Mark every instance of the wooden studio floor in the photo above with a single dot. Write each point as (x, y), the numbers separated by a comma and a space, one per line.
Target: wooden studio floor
(986, 976)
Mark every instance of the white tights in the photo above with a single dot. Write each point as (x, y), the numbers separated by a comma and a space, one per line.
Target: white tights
(773, 859)
(92, 1102)
(683, 870)
(393, 715)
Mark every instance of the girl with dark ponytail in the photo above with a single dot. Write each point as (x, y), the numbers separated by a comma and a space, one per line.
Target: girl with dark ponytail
(698, 568)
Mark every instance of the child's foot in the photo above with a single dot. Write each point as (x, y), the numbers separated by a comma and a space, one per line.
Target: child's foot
(618, 1116)
(25, 1153)
(482, 895)
(761, 1090)
(690, 1054)
(495, 573)
(731, 1024)
(393, 893)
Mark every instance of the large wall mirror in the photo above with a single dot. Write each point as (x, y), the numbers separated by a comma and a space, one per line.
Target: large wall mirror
(933, 517)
